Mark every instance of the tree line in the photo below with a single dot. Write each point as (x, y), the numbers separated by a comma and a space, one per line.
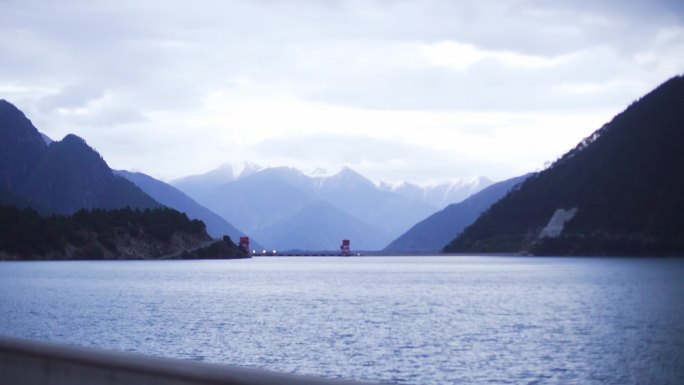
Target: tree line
(23, 232)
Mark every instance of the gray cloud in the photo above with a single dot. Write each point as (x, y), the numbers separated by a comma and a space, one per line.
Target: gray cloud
(338, 148)
(162, 55)
(123, 62)
(374, 157)
(108, 117)
(69, 97)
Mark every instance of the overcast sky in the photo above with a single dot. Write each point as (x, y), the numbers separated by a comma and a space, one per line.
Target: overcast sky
(398, 90)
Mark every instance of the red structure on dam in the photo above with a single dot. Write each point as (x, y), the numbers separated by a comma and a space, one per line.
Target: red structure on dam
(244, 245)
(344, 249)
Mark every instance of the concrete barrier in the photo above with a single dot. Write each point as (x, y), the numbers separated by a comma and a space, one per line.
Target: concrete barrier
(28, 362)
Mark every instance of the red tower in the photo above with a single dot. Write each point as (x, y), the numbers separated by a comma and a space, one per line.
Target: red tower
(344, 249)
(244, 245)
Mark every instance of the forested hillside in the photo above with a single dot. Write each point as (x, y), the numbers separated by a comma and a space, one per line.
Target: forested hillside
(619, 192)
(105, 234)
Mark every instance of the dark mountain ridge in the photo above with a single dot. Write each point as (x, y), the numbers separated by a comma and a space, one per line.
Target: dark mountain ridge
(72, 176)
(619, 192)
(21, 147)
(59, 178)
(87, 211)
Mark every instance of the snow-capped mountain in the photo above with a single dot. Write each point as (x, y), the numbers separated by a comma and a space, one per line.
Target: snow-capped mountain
(245, 169)
(440, 195)
(269, 201)
(198, 185)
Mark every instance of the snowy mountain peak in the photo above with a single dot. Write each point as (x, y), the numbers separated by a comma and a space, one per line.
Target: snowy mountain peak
(438, 195)
(225, 169)
(347, 172)
(318, 172)
(389, 186)
(244, 169)
(346, 177)
(194, 183)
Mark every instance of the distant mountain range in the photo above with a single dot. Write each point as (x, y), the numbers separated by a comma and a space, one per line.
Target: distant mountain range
(170, 196)
(62, 177)
(434, 232)
(282, 207)
(440, 195)
(285, 208)
(619, 192)
(197, 185)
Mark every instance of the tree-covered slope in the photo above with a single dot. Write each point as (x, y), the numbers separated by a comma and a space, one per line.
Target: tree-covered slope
(107, 234)
(626, 182)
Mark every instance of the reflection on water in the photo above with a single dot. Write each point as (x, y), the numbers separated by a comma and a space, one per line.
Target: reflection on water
(418, 320)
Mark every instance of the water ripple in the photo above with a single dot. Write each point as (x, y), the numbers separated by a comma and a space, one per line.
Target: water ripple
(436, 320)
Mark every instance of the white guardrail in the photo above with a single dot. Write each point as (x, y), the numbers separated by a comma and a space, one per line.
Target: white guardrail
(28, 362)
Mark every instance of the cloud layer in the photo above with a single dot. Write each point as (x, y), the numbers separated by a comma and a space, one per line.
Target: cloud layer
(408, 90)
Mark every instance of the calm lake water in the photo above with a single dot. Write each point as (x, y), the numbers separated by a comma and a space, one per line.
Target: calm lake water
(416, 320)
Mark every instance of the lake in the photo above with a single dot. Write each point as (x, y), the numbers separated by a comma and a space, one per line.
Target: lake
(415, 320)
